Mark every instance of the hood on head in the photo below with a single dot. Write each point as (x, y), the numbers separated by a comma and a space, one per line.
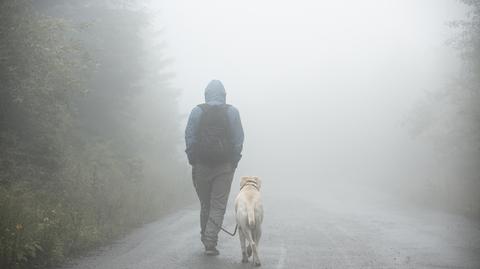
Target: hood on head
(215, 92)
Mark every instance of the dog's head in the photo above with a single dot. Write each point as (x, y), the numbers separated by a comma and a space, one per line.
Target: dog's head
(255, 181)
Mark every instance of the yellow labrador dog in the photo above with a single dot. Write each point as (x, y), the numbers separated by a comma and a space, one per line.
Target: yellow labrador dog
(249, 215)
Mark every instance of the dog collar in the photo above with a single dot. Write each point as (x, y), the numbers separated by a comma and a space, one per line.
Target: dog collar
(250, 184)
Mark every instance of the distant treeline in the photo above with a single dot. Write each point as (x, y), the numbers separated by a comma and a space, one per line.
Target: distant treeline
(450, 120)
(89, 129)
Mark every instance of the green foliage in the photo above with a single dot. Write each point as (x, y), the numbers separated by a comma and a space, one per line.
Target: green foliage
(81, 163)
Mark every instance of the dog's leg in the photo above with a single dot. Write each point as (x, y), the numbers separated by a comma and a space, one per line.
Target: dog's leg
(256, 260)
(249, 250)
(241, 235)
(257, 234)
(249, 247)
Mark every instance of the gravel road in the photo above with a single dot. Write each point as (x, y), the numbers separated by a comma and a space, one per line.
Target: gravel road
(306, 229)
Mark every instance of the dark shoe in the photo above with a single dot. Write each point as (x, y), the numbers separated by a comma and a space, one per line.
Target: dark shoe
(213, 251)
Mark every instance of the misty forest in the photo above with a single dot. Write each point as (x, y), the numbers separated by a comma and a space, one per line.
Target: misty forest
(362, 119)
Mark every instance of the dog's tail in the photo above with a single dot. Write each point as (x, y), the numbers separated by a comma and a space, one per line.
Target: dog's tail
(251, 217)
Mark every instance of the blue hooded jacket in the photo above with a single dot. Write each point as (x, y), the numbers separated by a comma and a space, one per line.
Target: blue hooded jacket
(215, 95)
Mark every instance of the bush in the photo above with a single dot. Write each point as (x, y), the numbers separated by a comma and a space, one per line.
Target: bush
(80, 165)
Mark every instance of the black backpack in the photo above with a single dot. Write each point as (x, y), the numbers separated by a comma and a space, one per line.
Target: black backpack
(214, 143)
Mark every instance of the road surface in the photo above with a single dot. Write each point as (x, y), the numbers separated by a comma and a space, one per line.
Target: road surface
(307, 229)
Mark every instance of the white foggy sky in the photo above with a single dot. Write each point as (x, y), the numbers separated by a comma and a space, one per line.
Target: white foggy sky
(324, 81)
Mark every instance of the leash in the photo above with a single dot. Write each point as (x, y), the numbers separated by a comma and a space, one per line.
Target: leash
(221, 228)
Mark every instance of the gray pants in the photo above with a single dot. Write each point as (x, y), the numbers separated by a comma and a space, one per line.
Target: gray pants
(212, 184)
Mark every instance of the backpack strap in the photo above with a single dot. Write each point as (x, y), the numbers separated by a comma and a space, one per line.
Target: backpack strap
(204, 107)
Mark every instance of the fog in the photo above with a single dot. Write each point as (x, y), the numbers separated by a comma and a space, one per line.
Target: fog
(325, 89)
(360, 117)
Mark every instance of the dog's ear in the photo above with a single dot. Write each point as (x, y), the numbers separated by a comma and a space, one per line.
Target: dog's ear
(243, 181)
(259, 182)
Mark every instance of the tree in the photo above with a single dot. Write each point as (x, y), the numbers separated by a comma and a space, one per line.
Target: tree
(84, 156)
(450, 118)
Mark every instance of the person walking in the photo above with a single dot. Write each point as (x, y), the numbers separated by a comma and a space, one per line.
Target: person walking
(214, 142)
